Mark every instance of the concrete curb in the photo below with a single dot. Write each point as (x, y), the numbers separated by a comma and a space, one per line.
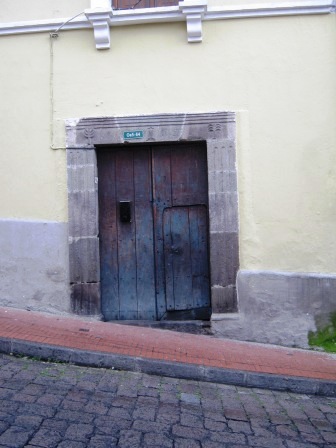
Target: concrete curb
(168, 368)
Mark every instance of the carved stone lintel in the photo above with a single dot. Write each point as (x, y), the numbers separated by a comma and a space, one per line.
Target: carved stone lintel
(150, 131)
(194, 11)
(100, 19)
(89, 134)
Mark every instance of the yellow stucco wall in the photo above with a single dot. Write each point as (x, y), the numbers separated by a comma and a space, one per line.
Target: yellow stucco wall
(32, 177)
(23, 10)
(278, 74)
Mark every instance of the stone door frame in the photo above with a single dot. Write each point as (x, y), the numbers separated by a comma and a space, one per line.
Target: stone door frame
(84, 136)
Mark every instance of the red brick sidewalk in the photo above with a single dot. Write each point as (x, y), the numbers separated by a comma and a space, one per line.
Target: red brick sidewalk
(166, 345)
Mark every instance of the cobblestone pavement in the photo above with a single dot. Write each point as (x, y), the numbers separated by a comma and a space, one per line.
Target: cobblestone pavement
(59, 405)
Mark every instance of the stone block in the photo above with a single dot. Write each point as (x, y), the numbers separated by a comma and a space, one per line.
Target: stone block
(83, 213)
(215, 127)
(223, 212)
(84, 260)
(224, 299)
(81, 178)
(222, 181)
(79, 157)
(221, 155)
(224, 258)
(327, 388)
(85, 299)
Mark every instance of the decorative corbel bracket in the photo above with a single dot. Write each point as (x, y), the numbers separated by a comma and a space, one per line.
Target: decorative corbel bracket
(100, 15)
(194, 11)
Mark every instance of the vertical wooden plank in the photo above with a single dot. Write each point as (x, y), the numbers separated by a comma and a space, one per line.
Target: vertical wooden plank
(108, 234)
(168, 259)
(189, 174)
(143, 215)
(126, 237)
(177, 262)
(181, 258)
(199, 256)
(182, 262)
(161, 175)
(180, 175)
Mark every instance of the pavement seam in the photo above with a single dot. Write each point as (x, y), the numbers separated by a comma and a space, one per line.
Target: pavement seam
(169, 368)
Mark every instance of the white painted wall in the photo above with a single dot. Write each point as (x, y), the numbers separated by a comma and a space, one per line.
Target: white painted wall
(276, 73)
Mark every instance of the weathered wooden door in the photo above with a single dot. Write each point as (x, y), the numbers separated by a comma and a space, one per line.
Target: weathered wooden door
(153, 213)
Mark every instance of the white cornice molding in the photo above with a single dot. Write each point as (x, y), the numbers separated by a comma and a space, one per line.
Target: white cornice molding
(41, 26)
(101, 17)
(304, 7)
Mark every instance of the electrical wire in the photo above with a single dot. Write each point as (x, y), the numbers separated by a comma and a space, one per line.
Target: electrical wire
(63, 24)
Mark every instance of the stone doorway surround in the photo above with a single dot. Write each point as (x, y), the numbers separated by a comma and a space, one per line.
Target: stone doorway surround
(85, 135)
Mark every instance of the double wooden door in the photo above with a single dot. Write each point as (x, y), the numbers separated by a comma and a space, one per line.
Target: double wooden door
(153, 221)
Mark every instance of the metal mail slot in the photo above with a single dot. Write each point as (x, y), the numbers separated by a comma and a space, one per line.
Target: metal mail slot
(125, 211)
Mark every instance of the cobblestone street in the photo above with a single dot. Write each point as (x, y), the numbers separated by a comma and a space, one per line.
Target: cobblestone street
(65, 406)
